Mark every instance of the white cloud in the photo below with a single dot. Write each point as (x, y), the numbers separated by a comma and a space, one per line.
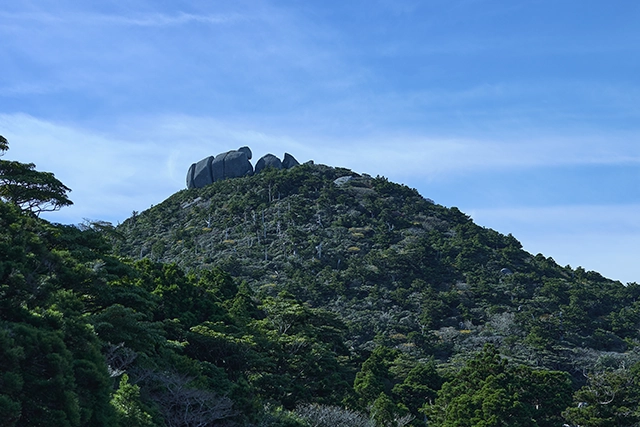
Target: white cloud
(109, 177)
(134, 19)
(576, 218)
(140, 162)
(146, 159)
(163, 20)
(133, 165)
(414, 155)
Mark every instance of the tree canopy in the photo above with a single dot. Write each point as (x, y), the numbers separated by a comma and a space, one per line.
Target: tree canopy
(28, 188)
(4, 145)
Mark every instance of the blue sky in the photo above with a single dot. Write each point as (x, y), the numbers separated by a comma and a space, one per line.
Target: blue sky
(524, 114)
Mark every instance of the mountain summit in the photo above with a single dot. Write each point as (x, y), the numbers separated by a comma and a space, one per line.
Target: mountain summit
(396, 266)
(233, 164)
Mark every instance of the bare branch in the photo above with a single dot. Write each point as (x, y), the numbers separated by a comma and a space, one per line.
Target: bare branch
(185, 406)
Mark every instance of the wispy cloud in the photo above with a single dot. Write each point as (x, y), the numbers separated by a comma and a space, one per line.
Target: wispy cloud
(388, 152)
(108, 176)
(162, 20)
(384, 152)
(134, 19)
(140, 162)
(122, 98)
(620, 218)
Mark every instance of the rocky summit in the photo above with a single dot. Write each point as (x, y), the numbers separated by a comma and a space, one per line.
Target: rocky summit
(233, 164)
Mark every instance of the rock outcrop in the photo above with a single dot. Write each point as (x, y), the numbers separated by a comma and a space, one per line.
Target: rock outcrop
(289, 161)
(271, 161)
(233, 164)
(268, 161)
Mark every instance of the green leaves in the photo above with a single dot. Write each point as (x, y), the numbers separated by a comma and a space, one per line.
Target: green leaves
(47, 390)
(128, 405)
(290, 291)
(489, 392)
(4, 145)
(611, 398)
(11, 379)
(30, 189)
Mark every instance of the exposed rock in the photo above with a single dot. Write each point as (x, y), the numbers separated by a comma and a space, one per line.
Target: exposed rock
(202, 173)
(191, 203)
(247, 151)
(342, 180)
(217, 167)
(232, 164)
(268, 161)
(237, 164)
(289, 161)
(190, 173)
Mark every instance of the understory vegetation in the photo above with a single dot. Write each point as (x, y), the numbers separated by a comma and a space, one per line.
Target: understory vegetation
(292, 299)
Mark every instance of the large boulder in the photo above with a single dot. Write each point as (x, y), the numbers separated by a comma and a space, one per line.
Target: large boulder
(247, 151)
(232, 164)
(190, 173)
(200, 173)
(217, 167)
(236, 164)
(289, 161)
(268, 161)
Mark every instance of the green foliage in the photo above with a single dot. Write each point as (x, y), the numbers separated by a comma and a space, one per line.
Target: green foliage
(306, 345)
(375, 377)
(488, 391)
(11, 380)
(48, 386)
(384, 411)
(4, 145)
(31, 190)
(419, 386)
(128, 405)
(285, 299)
(279, 417)
(610, 398)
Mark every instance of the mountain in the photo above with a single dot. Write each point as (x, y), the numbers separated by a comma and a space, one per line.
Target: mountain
(312, 296)
(395, 266)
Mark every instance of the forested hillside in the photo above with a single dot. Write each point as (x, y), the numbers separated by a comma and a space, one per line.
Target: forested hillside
(304, 297)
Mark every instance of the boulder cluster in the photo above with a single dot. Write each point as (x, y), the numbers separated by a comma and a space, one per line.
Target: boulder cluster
(233, 164)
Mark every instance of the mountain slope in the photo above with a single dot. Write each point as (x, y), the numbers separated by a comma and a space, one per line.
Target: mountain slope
(355, 301)
(397, 268)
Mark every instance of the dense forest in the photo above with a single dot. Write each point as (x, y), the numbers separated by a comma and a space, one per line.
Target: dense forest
(313, 296)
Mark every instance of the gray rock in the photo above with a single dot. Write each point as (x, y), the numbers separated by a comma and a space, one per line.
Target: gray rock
(289, 161)
(217, 167)
(247, 151)
(192, 169)
(236, 164)
(232, 164)
(202, 173)
(268, 161)
(342, 180)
